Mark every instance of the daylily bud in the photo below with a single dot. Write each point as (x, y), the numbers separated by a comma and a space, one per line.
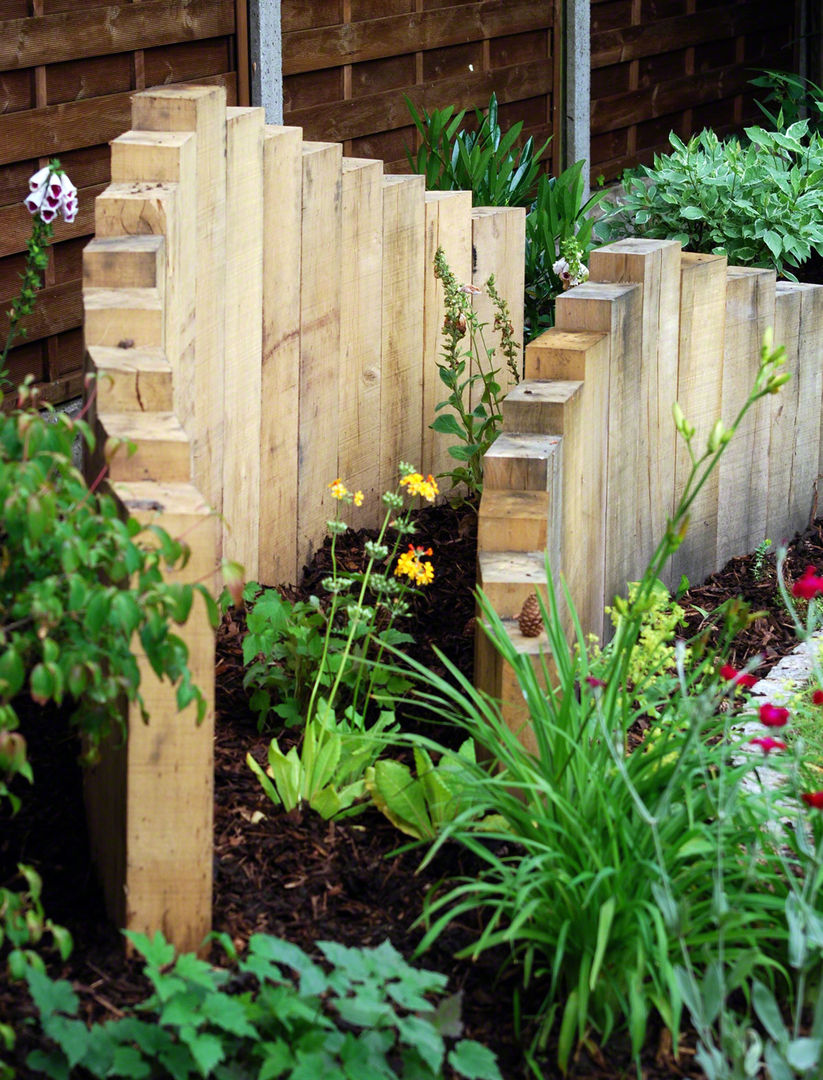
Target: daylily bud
(715, 437)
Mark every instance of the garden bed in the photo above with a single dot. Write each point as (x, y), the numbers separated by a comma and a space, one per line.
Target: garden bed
(307, 879)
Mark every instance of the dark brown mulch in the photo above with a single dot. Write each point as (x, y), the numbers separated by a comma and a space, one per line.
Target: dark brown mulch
(307, 879)
(754, 579)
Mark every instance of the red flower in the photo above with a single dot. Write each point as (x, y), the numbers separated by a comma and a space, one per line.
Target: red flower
(593, 682)
(813, 798)
(767, 743)
(773, 715)
(732, 675)
(808, 586)
(817, 697)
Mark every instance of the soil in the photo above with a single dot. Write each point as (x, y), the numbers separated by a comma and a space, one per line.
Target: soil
(306, 879)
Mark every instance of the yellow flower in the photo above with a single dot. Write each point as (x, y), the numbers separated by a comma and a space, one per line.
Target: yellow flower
(338, 489)
(358, 498)
(418, 486)
(411, 564)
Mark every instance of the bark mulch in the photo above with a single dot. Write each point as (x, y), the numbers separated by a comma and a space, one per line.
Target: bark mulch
(306, 879)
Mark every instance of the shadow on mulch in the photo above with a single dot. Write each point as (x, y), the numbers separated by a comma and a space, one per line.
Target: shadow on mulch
(306, 879)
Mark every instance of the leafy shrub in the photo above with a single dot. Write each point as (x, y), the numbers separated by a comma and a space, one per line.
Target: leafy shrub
(277, 1014)
(604, 867)
(482, 160)
(760, 204)
(77, 582)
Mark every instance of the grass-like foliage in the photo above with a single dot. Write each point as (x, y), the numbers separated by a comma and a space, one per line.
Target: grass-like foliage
(603, 867)
(275, 1013)
(479, 158)
(760, 203)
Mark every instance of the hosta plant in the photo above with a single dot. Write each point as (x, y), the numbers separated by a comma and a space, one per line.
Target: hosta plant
(760, 203)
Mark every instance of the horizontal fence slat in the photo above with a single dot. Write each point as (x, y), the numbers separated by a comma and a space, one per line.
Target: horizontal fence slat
(349, 43)
(387, 110)
(667, 35)
(76, 124)
(635, 106)
(97, 31)
(58, 308)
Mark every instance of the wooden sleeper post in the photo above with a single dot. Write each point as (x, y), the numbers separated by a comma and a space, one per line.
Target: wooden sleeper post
(361, 333)
(280, 379)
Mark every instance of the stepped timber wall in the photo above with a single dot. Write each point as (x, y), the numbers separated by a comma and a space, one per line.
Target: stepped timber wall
(588, 463)
(262, 317)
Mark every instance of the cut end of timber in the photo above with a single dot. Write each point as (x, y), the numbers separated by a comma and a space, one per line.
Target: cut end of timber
(162, 446)
(513, 521)
(129, 262)
(147, 498)
(115, 316)
(131, 379)
(518, 462)
(537, 406)
(564, 354)
(507, 578)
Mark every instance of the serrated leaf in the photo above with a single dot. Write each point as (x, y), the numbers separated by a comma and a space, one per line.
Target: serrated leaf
(474, 1061)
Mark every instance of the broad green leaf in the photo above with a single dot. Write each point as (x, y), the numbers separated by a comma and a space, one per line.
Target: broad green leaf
(474, 1061)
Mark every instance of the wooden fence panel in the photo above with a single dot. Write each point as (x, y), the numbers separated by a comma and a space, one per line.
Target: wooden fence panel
(677, 65)
(348, 63)
(67, 73)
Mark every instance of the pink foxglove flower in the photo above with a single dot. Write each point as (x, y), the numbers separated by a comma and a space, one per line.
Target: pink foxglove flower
(51, 192)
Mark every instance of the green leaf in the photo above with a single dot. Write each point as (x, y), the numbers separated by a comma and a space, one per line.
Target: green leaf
(804, 1053)
(447, 424)
(474, 1061)
(768, 1012)
(12, 672)
(604, 923)
(207, 1050)
(51, 996)
(400, 797)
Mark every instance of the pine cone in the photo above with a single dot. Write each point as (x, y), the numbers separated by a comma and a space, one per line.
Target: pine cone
(530, 619)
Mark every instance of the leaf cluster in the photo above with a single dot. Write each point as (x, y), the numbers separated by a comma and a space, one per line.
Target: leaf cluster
(285, 656)
(558, 215)
(364, 1015)
(760, 204)
(421, 805)
(328, 772)
(481, 159)
(791, 97)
